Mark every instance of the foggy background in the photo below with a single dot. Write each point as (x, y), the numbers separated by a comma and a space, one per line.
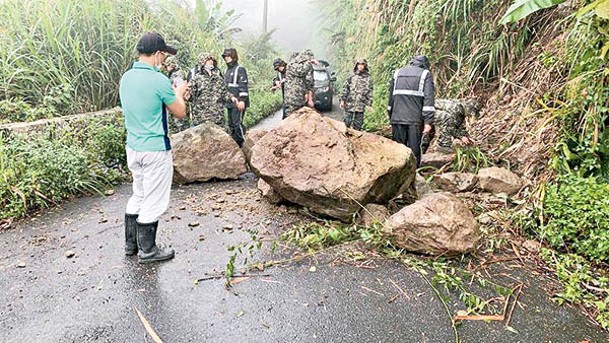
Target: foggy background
(297, 23)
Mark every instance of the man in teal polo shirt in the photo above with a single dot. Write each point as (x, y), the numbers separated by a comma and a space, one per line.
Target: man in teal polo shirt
(146, 95)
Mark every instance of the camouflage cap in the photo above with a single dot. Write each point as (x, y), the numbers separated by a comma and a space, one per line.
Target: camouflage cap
(360, 61)
(171, 62)
(293, 57)
(472, 107)
(206, 56)
(307, 55)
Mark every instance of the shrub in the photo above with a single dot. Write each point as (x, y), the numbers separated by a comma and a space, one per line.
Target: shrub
(81, 156)
(576, 217)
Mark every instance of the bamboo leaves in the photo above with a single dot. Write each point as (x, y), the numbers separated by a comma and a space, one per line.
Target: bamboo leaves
(522, 8)
(600, 7)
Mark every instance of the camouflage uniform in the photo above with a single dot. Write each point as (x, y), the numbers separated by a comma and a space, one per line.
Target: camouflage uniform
(450, 120)
(299, 81)
(208, 95)
(171, 69)
(357, 94)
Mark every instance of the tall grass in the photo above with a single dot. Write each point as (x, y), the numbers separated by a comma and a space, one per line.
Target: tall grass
(468, 49)
(84, 46)
(67, 56)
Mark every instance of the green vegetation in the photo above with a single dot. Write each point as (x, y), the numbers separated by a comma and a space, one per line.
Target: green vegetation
(65, 57)
(82, 156)
(583, 284)
(452, 283)
(543, 69)
(469, 50)
(575, 215)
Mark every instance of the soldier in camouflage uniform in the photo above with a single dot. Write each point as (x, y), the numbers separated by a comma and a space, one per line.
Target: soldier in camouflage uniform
(171, 69)
(357, 95)
(450, 122)
(299, 82)
(209, 93)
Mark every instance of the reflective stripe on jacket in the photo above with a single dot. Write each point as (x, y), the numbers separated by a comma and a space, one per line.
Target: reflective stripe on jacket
(235, 78)
(411, 96)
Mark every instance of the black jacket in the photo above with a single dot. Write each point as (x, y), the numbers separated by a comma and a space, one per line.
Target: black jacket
(411, 94)
(235, 78)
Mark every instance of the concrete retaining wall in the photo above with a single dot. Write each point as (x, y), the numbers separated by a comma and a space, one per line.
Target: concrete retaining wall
(42, 125)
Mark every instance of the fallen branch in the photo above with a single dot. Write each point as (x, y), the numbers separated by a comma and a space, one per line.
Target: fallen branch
(394, 298)
(509, 318)
(485, 317)
(373, 291)
(222, 276)
(402, 292)
(148, 327)
(439, 296)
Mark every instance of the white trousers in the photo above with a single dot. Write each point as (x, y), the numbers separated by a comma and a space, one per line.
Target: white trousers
(152, 175)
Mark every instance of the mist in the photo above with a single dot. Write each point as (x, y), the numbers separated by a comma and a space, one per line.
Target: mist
(296, 23)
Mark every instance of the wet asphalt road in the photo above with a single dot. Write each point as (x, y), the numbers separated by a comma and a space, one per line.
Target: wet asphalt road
(92, 296)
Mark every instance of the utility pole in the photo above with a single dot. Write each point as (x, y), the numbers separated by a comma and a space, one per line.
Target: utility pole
(265, 16)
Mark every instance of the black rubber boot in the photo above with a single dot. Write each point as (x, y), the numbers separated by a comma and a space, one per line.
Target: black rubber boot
(130, 234)
(146, 242)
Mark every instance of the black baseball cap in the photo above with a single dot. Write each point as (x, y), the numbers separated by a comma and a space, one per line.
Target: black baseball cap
(152, 42)
(228, 52)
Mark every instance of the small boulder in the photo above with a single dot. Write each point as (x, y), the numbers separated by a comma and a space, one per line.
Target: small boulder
(205, 152)
(455, 182)
(269, 193)
(438, 224)
(436, 159)
(373, 213)
(499, 180)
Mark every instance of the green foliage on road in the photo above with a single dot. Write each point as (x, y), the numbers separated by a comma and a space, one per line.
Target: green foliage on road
(545, 69)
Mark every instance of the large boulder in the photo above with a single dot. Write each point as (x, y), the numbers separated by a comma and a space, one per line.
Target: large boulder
(251, 138)
(438, 224)
(318, 163)
(499, 180)
(205, 152)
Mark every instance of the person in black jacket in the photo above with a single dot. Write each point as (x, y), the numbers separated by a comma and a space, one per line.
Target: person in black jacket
(235, 78)
(411, 104)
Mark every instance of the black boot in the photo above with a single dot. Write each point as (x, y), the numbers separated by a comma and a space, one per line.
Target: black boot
(146, 241)
(130, 234)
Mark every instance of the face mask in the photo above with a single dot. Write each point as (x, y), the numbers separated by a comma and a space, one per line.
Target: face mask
(157, 62)
(209, 68)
